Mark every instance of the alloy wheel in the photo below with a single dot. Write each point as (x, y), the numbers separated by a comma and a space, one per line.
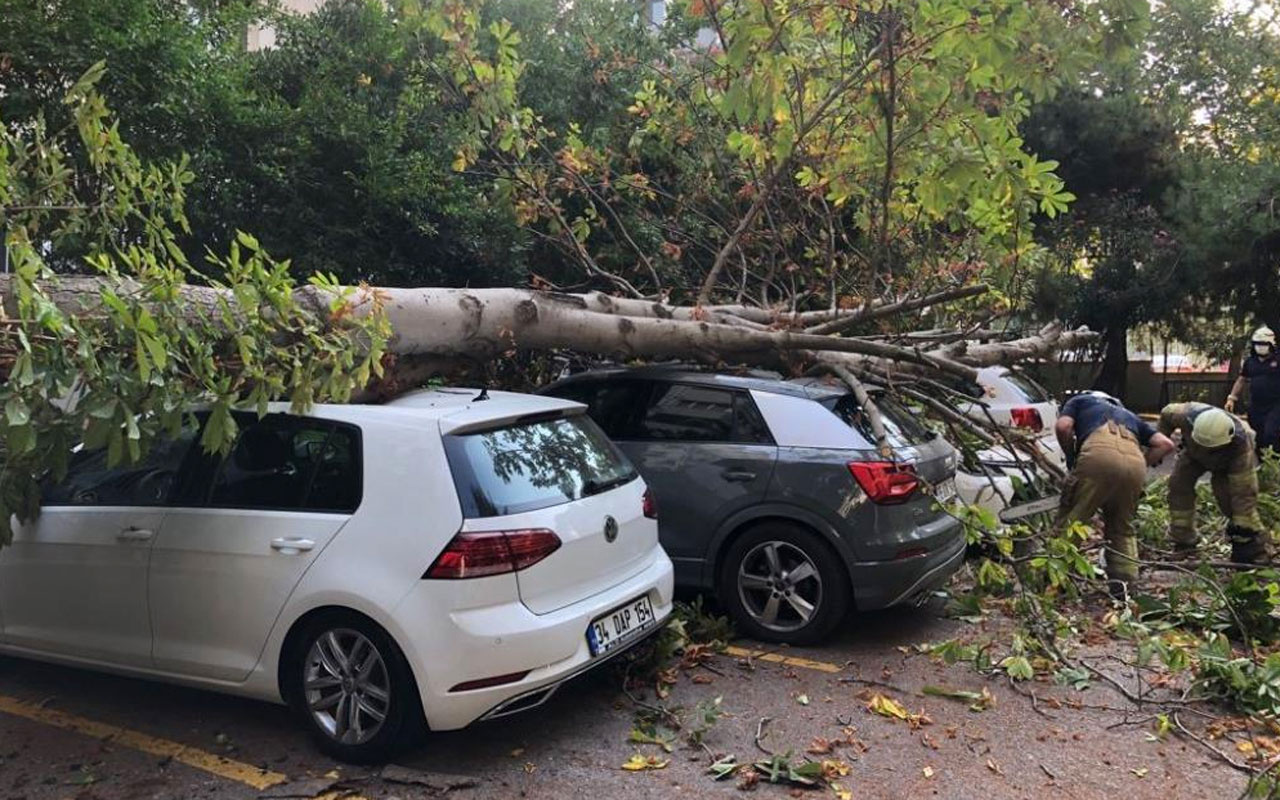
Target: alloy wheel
(779, 586)
(346, 686)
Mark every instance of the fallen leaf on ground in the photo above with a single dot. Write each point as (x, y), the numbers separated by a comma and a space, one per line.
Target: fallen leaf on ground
(887, 707)
(640, 762)
(702, 679)
(820, 746)
(834, 769)
(841, 792)
(639, 736)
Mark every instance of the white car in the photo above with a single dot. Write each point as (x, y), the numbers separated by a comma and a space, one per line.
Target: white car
(1016, 402)
(450, 556)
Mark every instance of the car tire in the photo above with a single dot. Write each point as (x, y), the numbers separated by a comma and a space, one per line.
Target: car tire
(778, 570)
(352, 688)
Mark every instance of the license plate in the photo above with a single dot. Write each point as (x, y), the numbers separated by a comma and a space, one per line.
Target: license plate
(945, 491)
(620, 625)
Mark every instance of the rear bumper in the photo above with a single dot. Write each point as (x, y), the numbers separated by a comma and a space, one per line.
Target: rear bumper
(447, 648)
(880, 584)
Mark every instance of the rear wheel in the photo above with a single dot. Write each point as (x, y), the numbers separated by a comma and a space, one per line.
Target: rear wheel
(783, 583)
(353, 689)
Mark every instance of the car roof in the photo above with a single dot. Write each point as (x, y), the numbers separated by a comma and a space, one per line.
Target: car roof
(754, 380)
(454, 408)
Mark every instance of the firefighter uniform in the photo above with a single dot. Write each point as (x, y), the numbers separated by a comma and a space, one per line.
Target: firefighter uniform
(1108, 474)
(1227, 453)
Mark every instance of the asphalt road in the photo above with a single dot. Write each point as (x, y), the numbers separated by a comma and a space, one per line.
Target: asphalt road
(66, 733)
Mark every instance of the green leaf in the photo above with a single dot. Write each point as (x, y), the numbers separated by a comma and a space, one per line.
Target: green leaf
(1018, 668)
(248, 240)
(156, 349)
(16, 412)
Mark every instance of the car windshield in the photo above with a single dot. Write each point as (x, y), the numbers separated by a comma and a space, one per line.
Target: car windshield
(534, 465)
(1034, 392)
(900, 426)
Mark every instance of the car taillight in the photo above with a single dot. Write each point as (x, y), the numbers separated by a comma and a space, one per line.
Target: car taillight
(1028, 418)
(885, 482)
(480, 554)
(648, 505)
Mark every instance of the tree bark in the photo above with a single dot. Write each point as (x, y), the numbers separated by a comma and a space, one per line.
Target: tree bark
(1113, 379)
(436, 328)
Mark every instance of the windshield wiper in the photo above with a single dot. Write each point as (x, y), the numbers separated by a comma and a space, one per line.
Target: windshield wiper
(593, 486)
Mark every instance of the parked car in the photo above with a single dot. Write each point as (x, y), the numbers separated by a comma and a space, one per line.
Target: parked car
(771, 493)
(986, 486)
(451, 556)
(1014, 401)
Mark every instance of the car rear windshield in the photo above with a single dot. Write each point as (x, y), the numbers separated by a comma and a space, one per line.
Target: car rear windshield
(900, 427)
(534, 465)
(1035, 392)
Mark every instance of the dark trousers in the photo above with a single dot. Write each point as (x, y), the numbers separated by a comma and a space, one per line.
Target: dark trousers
(1265, 421)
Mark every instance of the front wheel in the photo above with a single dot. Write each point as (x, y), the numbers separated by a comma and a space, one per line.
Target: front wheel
(783, 583)
(353, 689)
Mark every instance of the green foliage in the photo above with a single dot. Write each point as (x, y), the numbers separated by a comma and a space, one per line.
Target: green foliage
(146, 349)
(1245, 683)
(1060, 563)
(334, 145)
(1245, 607)
(895, 125)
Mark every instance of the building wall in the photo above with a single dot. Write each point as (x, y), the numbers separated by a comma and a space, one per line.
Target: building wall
(261, 37)
(1147, 389)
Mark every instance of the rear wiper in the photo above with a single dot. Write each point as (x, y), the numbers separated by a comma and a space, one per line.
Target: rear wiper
(593, 486)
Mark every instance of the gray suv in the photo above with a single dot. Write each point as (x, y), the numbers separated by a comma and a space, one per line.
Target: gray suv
(771, 494)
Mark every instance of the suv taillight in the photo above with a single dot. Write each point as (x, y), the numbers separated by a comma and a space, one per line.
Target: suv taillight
(884, 482)
(480, 554)
(648, 505)
(1028, 418)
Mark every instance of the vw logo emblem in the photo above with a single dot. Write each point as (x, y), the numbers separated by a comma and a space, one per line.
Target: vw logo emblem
(610, 529)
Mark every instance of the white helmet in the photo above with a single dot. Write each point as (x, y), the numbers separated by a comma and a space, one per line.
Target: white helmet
(1103, 396)
(1264, 335)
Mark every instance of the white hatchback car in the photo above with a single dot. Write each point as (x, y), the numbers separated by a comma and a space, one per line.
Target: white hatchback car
(450, 556)
(1016, 402)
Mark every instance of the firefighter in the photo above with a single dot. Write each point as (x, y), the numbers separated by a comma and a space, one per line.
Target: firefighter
(1222, 444)
(1104, 443)
(1261, 371)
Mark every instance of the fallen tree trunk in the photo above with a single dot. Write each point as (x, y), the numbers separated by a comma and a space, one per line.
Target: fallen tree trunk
(435, 331)
(483, 324)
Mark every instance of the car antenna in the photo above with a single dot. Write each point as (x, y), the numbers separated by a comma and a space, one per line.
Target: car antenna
(484, 395)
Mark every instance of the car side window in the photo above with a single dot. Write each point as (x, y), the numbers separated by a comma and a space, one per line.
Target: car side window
(749, 426)
(90, 482)
(687, 413)
(290, 463)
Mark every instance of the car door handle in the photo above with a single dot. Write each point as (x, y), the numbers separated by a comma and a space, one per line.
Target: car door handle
(738, 475)
(132, 534)
(290, 544)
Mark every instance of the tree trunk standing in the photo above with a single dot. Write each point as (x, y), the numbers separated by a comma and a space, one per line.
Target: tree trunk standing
(1113, 379)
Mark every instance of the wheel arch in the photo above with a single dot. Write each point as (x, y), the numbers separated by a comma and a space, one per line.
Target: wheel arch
(748, 518)
(293, 638)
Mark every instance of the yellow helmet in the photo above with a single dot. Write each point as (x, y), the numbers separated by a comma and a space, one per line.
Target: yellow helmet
(1264, 335)
(1213, 428)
